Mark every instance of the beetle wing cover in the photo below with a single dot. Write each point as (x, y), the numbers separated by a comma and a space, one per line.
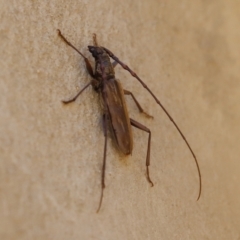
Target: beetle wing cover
(118, 114)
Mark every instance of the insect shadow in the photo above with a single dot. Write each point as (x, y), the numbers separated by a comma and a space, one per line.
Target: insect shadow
(115, 113)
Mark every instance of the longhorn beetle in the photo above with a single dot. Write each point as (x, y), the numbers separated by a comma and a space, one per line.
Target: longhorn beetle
(115, 113)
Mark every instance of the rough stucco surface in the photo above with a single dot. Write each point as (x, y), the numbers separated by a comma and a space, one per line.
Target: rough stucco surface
(51, 155)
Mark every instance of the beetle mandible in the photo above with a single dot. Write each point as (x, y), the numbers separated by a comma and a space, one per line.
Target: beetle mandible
(115, 114)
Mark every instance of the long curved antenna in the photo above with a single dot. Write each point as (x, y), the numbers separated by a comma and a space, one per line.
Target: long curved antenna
(159, 103)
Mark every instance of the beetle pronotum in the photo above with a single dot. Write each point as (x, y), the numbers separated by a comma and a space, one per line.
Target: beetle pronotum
(115, 113)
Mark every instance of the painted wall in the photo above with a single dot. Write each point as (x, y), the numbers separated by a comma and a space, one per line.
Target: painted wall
(187, 52)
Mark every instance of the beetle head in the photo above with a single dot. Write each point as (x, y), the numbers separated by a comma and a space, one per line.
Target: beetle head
(96, 51)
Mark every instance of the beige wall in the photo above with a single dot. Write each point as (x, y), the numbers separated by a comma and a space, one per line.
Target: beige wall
(51, 155)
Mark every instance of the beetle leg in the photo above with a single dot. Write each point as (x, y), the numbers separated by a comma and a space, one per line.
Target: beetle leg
(126, 92)
(88, 65)
(74, 98)
(104, 160)
(141, 127)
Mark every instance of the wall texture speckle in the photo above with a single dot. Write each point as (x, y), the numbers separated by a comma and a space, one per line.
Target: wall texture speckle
(51, 155)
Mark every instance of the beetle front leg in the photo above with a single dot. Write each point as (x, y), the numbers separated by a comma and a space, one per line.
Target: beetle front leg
(126, 92)
(141, 127)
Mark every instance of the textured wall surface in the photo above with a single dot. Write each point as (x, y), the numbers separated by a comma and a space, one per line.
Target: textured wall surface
(51, 155)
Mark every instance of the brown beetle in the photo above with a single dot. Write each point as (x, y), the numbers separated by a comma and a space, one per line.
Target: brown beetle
(114, 106)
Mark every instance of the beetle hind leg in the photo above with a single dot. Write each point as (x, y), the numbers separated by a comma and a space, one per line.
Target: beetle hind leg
(104, 161)
(141, 127)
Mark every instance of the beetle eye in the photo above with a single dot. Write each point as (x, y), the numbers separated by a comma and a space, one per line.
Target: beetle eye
(91, 48)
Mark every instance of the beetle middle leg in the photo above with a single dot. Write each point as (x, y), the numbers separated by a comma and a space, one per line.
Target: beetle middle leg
(126, 92)
(141, 127)
(74, 98)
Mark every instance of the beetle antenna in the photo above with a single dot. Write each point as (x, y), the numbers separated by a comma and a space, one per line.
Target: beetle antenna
(88, 65)
(68, 43)
(95, 40)
(166, 112)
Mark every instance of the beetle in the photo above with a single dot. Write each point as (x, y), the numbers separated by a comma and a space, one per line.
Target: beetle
(115, 113)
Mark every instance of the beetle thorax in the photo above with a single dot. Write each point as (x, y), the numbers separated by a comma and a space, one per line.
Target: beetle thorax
(103, 67)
